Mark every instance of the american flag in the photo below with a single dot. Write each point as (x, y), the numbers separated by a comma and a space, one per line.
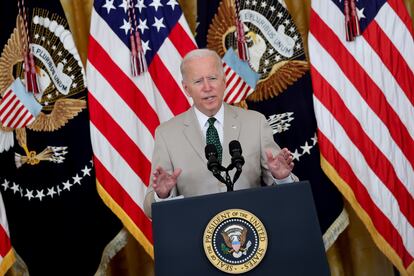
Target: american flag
(6, 252)
(18, 108)
(237, 88)
(364, 104)
(240, 78)
(125, 110)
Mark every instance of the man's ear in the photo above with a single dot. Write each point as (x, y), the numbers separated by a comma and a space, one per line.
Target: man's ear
(185, 87)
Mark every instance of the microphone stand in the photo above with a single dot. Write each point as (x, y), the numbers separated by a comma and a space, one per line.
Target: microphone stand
(229, 183)
(214, 166)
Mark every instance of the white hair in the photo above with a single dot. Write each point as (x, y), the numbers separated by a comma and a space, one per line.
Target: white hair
(201, 53)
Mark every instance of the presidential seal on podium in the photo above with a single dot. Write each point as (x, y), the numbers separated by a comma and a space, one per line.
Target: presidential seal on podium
(235, 241)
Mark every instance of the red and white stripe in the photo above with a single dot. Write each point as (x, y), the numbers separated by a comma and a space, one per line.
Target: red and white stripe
(13, 113)
(6, 253)
(124, 113)
(236, 88)
(364, 105)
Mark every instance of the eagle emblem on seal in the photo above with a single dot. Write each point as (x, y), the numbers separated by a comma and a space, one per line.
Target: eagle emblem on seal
(274, 43)
(60, 76)
(234, 237)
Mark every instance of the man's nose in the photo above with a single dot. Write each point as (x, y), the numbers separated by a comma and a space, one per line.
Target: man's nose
(206, 84)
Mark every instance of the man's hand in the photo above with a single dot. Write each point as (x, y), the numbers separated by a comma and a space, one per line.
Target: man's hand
(163, 182)
(280, 165)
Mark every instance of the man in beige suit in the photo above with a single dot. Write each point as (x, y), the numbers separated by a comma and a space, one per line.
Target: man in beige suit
(179, 164)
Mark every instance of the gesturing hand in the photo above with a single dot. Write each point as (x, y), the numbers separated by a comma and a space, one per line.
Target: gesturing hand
(280, 165)
(163, 182)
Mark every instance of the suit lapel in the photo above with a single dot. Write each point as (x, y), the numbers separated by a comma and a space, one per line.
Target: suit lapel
(193, 133)
(231, 131)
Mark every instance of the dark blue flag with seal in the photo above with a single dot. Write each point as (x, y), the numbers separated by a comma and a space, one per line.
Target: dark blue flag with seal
(58, 224)
(283, 93)
(205, 13)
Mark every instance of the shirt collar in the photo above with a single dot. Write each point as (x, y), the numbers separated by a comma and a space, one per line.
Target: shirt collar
(202, 118)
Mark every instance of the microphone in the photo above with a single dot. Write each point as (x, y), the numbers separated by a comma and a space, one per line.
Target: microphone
(212, 160)
(237, 159)
(214, 165)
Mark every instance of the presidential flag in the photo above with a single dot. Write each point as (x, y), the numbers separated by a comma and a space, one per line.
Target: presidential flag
(283, 94)
(364, 105)
(6, 252)
(57, 222)
(125, 109)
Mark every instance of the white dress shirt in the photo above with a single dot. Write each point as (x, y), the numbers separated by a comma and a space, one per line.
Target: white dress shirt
(218, 124)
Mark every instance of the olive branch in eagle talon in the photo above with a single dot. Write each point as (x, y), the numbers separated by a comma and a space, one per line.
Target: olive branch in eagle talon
(63, 111)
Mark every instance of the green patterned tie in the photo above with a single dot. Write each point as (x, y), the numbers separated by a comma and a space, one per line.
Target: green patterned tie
(213, 138)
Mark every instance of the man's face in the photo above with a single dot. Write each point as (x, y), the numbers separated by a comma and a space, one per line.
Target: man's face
(204, 83)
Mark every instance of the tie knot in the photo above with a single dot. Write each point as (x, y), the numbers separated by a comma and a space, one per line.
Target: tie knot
(211, 121)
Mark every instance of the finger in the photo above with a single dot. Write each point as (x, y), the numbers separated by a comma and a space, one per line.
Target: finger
(287, 156)
(157, 171)
(269, 155)
(286, 153)
(160, 170)
(281, 156)
(177, 172)
(155, 182)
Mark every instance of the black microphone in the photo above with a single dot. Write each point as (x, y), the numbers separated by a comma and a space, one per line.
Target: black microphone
(212, 160)
(237, 159)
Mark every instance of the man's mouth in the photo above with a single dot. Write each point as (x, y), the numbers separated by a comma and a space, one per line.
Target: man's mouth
(209, 98)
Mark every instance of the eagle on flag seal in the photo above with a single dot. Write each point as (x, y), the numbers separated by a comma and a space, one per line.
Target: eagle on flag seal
(273, 42)
(57, 84)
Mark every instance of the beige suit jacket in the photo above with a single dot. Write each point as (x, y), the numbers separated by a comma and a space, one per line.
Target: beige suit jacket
(179, 143)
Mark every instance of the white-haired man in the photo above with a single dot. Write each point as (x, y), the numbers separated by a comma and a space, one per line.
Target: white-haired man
(179, 163)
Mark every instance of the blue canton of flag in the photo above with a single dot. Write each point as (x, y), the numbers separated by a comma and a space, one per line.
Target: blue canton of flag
(155, 20)
(366, 9)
